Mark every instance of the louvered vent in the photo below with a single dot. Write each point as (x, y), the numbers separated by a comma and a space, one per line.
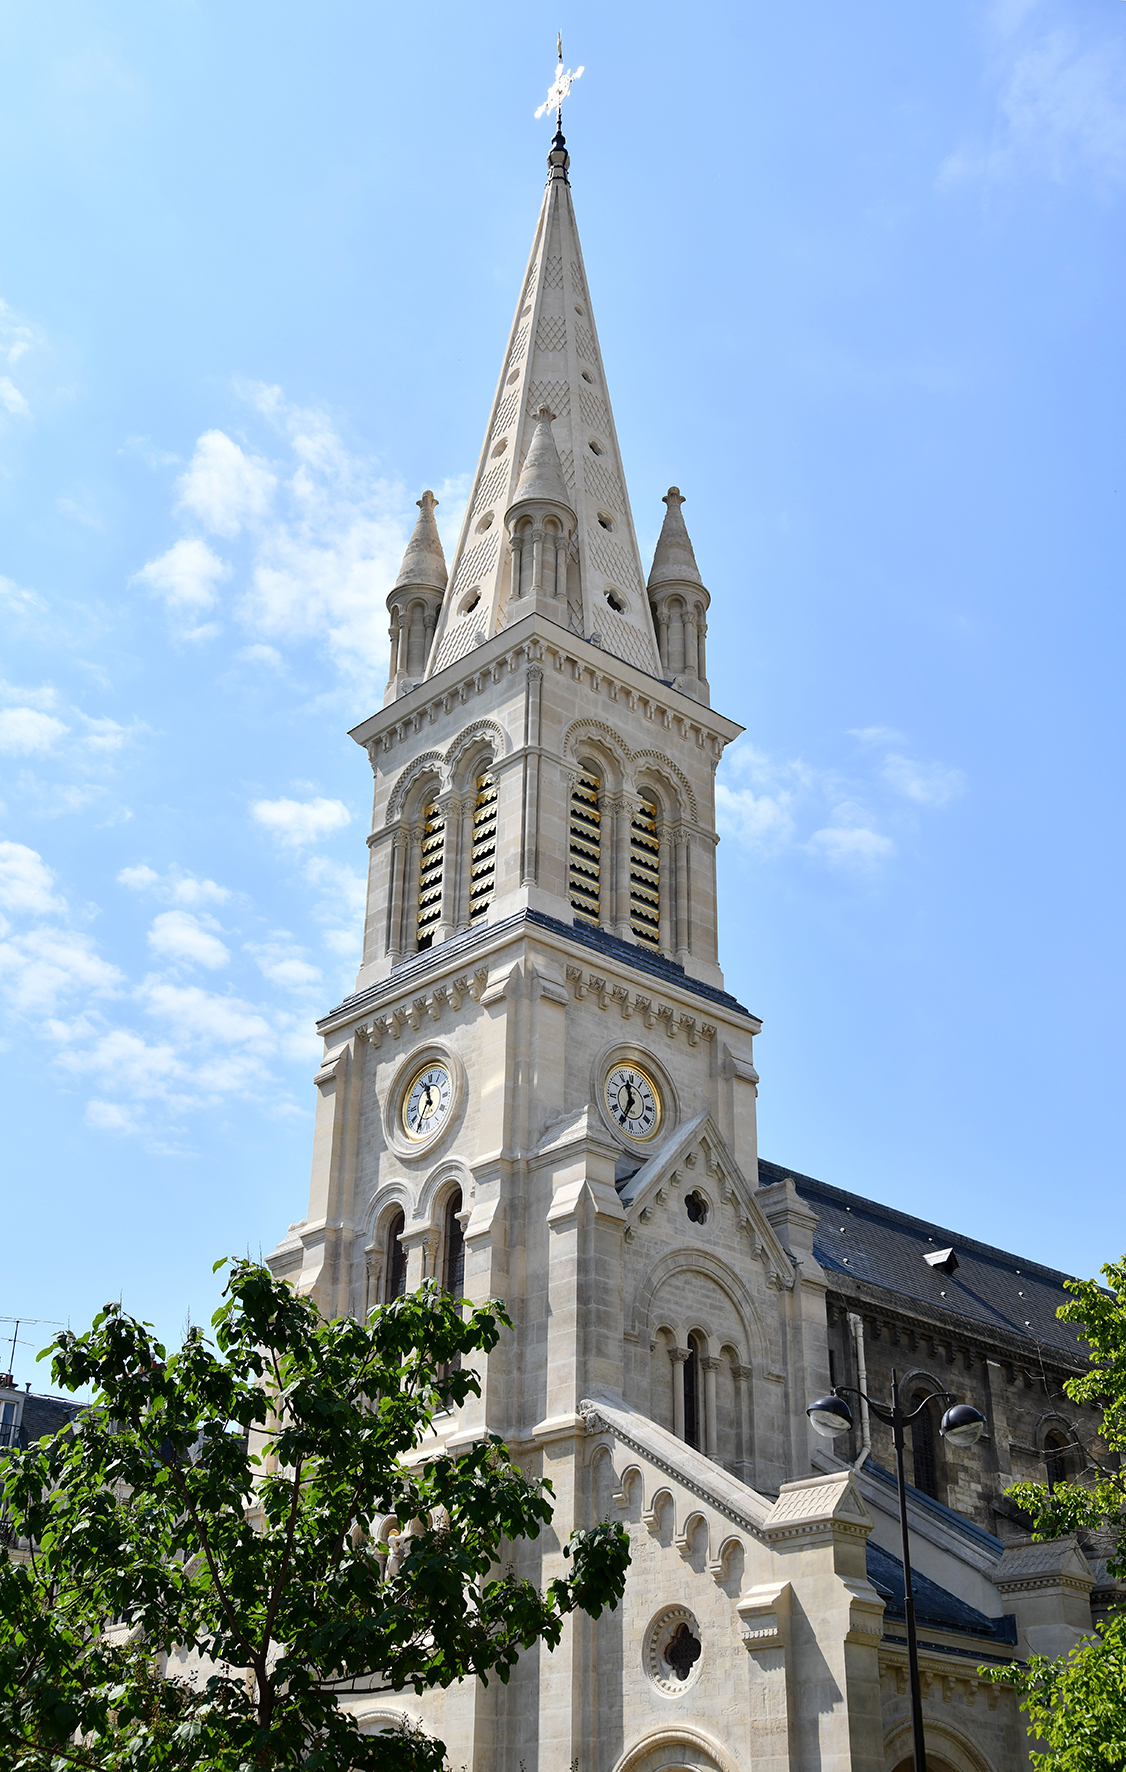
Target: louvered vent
(586, 847)
(483, 865)
(644, 876)
(430, 875)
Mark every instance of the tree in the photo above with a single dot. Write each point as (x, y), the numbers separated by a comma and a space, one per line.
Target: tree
(223, 1499)
(1077, 1704)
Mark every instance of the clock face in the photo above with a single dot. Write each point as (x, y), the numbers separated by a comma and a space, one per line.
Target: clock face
(633, 1101)
(428, 1101)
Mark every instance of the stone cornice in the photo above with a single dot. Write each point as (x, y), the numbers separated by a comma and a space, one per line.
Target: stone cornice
(537, 641)
(969, 1334)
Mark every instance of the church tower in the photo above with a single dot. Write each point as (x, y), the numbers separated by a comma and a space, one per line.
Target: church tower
(541, 1091)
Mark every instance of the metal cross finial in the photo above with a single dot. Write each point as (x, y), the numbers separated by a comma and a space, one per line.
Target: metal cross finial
(561, 89)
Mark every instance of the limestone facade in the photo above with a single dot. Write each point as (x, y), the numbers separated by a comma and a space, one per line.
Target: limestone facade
(541, 916)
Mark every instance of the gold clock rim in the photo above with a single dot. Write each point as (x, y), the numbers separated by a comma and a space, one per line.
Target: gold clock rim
(432, 1064)
(623, 1064)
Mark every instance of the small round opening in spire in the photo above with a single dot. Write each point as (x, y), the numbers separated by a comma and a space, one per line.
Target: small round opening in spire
(501, 446)
(526, 311)
(615, 601)
(515, 376)
(606, 522)
(587, 376)
(595, 447)
(470, 600)
(485, 523)
(580, 311)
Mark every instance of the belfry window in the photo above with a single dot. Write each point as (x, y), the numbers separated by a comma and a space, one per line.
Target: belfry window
(453, 1252)
(395, 1268)
(692, 1410)
(1055, 1458)
(430, 874)
(483, 861)
(925, 1474)
(644, 875)
(586, 847)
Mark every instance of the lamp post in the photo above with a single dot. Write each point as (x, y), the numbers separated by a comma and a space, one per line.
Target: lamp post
(962, 1426)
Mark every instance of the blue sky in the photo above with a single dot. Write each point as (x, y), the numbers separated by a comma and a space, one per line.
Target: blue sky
(857, 271)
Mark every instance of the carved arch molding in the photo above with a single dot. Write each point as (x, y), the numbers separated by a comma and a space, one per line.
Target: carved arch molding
(633, 763)
(481, 734)
(677, 1750)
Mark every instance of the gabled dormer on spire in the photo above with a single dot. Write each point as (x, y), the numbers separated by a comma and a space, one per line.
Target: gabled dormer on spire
(540, 523)
(553, 360)
(415, 602)
(679, 603)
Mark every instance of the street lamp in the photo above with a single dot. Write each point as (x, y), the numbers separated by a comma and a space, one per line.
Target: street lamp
(962, 1425)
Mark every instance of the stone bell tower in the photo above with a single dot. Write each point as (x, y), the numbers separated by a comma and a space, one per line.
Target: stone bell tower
(540, 1089)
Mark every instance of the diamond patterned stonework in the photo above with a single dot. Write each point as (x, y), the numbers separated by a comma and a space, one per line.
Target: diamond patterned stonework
(551, 333)
(553, 274)
(554, 393)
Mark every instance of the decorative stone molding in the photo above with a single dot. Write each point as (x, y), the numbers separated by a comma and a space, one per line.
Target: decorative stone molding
(630, 1003)
(410, 1014)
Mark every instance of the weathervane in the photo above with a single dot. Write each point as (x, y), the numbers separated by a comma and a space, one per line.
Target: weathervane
(564, 80)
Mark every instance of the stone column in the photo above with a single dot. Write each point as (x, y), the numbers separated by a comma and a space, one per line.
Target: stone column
(400, 849)
(663, 636)
(683, 927)
(537, 559)
(529, 873)
(691, 643)
(664, 892)
(742, 1379)
(517, 566)
(678, 1355)
(623, 811)
(394, 645)
(449, 808)
(410, 889)
(373, 1274)
(710, 1366)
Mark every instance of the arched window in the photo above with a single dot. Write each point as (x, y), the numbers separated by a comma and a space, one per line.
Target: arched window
(1055, 1458)
(453, 1248)
(395, 1260)
(644, 875)
(585, 846)
(692, 1411)
(925, 1475)
(430, 874)
(483, 858)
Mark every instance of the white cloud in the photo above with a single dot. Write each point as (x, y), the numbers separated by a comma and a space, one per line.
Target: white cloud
(175, 887)
(853, 846)
(19, 599)
(44, 697)
(200, 1014)
(880, 735)
(145, 448)
(266, 655)
(17, 336)
(930, 784)
(178, 935)
(185, 576)
(280, 961)
(1059, 86)
(223, 486)
(47, 964)
(26, 730)
(298, 822)
(110, 1116)
(127, 1061)
(11, 398)
(103, 735)
(759, 821)
(26, 882)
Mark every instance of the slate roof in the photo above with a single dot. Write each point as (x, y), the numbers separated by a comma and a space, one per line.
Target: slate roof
(934, 1606)
(44, 1414)
(861, 1240)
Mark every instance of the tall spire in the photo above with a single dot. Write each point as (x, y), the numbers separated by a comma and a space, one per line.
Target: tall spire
(553, 358)
(415, 601)
(679, 603)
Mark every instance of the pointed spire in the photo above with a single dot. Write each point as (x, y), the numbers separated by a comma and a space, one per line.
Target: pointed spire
(415, 602)
(424, 563)
(679, 604)
(574, 465)
(673, 560)
(542, 475)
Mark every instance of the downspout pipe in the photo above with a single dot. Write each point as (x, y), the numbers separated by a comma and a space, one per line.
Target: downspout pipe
(856, 1324)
